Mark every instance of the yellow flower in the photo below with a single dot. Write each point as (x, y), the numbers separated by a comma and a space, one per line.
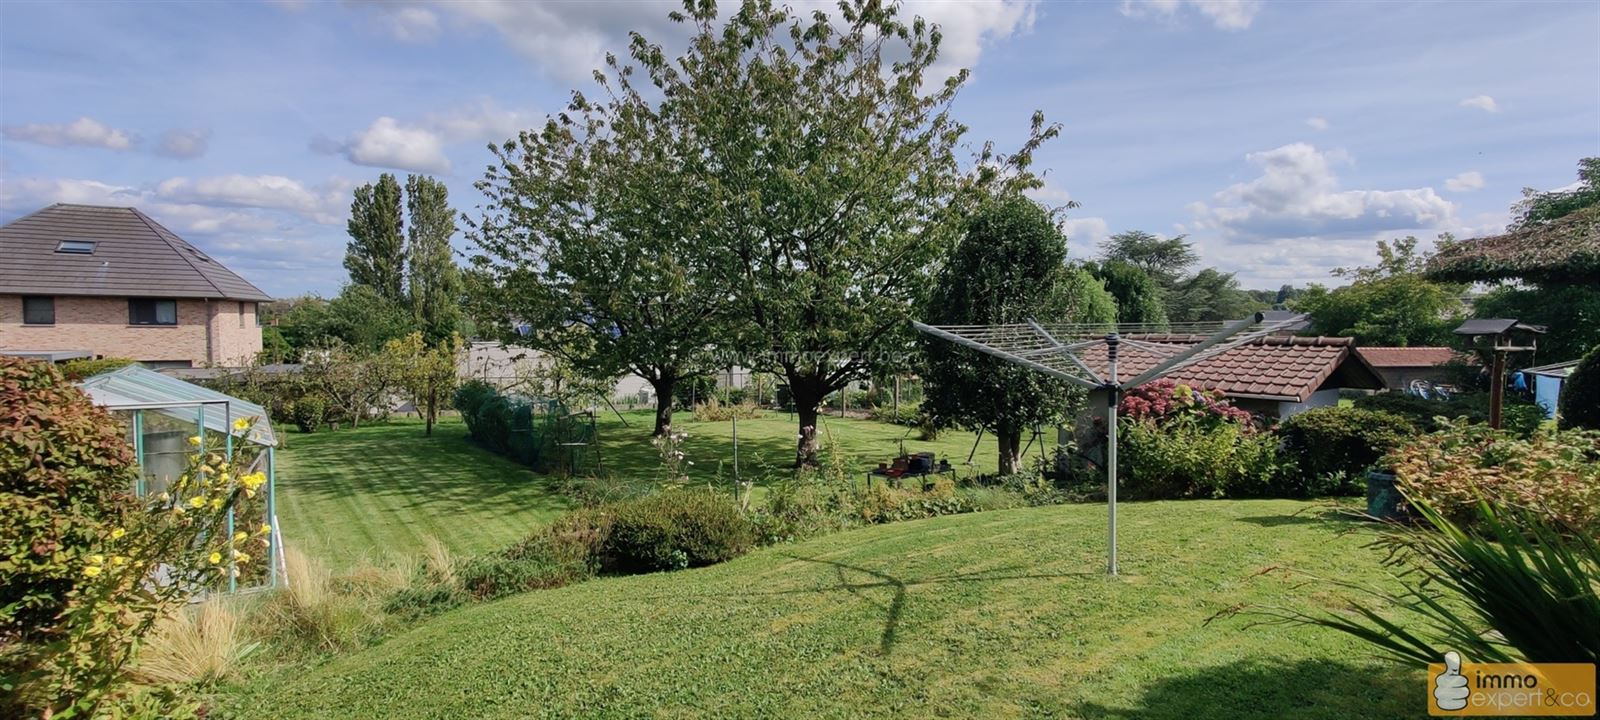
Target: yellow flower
(216, 557)
(240, 535)
(118, 533)
(265, 529)
(216, 503)
(240, 557)
(253, 480)
(197, 502)
(194, 440)
(91, 571)
(96, 559)
(118, 560)
(242, 424)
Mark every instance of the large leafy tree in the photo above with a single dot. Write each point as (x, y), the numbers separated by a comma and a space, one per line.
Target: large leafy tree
(825, 179)
(1164, 259)
(588, 238)
(1391, 303)
(376, 253)
(1139, 298)
(433, 280)
(1010, 266)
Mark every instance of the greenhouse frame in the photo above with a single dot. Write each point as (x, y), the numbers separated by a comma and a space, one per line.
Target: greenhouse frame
(162, 413)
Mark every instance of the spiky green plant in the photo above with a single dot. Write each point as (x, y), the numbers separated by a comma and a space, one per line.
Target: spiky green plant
(1516, 587)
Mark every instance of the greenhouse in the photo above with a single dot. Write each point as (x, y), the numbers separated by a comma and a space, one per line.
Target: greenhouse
(162, 413)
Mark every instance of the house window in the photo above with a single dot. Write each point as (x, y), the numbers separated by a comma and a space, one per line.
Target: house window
(145, 311)
(75, 247)
(38, 311)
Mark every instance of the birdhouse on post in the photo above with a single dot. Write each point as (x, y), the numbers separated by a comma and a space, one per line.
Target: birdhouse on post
(1497, 337)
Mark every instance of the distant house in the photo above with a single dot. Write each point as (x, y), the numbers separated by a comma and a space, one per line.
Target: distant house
(1401, 366)
(93, 281)
(1275, 376)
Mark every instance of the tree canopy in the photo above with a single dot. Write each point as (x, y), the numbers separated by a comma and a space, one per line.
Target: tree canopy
(1138, 297)
(1164, 259)
(375, 256)
(1390, 303)
(1010, 266)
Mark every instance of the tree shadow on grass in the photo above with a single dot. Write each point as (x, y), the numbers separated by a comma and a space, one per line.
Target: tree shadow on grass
(1332, 516)
(900, 588)
(1268, 689)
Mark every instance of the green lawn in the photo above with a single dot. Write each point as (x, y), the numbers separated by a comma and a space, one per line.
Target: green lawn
(1002, 614)
(378, 491)
(766, 444)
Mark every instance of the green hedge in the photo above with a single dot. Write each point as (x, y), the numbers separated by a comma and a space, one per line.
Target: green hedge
(1521, 418)
(673, 530)
(1580, 395)
(1332, 447)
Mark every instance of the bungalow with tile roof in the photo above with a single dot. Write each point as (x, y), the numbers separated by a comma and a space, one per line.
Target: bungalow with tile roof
(1402, 366)
(86, 281)
(1274, 376)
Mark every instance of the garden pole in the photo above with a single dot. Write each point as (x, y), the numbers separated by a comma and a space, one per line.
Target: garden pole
(736, 484)
(273, 551)
(138, 450)
(1111, 451)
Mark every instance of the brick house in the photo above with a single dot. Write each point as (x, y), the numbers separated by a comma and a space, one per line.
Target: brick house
(93, 281)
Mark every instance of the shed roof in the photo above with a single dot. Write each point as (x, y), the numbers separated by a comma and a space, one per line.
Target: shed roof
(1287, 369)
(131, 256)
(1402, 357)
(136, 387)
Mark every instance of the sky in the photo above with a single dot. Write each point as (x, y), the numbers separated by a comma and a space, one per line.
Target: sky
(1284, 138)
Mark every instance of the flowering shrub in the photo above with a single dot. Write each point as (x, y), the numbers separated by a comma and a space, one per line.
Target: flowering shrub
(1555, 474)
(80, 556)
(1191, 456)
(1165, 401)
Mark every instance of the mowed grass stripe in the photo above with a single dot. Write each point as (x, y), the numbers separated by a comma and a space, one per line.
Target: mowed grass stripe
(378, 491)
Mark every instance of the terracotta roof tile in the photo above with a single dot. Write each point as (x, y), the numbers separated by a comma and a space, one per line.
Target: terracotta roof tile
(1407, 356)
(1286, 368)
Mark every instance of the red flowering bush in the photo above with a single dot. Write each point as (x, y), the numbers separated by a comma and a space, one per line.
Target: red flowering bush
(1164, 401)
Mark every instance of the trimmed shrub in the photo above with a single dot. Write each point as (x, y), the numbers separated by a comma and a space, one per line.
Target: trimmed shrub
(75, 370)
(1580, 395)
(1521, 418)
(469, 399)
(714, 410)
(1554, 474)
(1340, 444)
(674, 530)
(308, 412)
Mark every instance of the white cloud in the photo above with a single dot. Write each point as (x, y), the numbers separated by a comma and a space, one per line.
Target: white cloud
(387, 143)
(1085, 233)
(569, 40)
(1223, 14)
(419, 146)
(1481, 102)
(31, 193)
(407, 23)
(1049, 195)
(1317, 123)
(84, 132)
(1465, 182)
(184, 144)
(1298, 195)
(326, 204)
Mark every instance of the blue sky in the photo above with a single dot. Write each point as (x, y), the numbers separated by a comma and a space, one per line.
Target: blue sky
(1284, 138)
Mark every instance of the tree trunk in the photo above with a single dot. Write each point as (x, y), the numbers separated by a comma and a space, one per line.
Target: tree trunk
(808, 393)
(663, 387)
(432, 410)
(805, 453)
(1009, 443)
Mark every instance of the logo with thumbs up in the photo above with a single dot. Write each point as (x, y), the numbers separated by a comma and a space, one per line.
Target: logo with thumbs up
(1450, 687)
(1519, 689)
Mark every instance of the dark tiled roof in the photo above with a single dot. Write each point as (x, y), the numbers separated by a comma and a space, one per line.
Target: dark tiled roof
(134, 256)
(1278, 368)
(1386, 357)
